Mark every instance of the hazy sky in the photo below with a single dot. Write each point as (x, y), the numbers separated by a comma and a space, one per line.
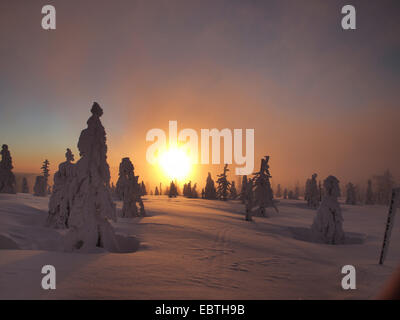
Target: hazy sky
(320, 99)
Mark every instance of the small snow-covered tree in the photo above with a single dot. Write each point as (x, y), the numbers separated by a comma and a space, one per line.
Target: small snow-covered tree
(203, 193)
(285, 194)
(223, 185)
(129, 190)
(194, 194)
(312, 193)
(92, 205)
(143, 189)
(7, 178)
(232, 192)
(46, 170)
(156, 192)
(262, 188)
(327, 225)
(173, 192)
(350, 194)
(278, 191)
(39, 189)
(384, 184)
(61, 199)
(210, 192)
(243, 189)
(369, 197)
(249, 199)
(25, 188)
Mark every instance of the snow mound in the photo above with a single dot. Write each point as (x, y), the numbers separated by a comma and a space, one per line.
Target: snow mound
(305, 234)
(127, 244)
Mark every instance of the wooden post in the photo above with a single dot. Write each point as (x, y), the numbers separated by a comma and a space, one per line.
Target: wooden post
(394, 203)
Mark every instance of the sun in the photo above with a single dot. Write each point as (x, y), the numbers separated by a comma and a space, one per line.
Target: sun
(176, 163)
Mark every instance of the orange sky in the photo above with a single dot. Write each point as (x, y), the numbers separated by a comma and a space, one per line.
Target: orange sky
(320, 99)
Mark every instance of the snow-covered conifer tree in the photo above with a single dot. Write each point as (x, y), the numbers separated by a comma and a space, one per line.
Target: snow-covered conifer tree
(61, 199)
(46, 171)
(232, 191)
(189, 189)
(249, 199)
(263, 193)
(369, 197)
(278, 191)
(156, 192)
(384, 184)
(39, 189)
(210, 192)
(243, 189)
(312, 193)
(92, 206)
(129, 190)
(194, 193)
(173, 192)
(285, 194)
(7, 178)
(350, 194)
(143, 189)
(223, 185)
(327, 225)
(25, 188)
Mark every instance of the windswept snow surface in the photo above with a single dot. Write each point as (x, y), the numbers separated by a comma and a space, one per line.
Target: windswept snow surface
(196, 249)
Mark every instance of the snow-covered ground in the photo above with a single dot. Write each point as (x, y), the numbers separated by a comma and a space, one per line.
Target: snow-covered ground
(197, 249)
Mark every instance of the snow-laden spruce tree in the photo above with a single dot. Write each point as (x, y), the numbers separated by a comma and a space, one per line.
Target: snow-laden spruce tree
(7, 178)
(327, 225)
(210, 192)
(279, 191)
(312, 193)
(25, 187)
(369, 197)
(61, 199)
(173, 191)
(92, 206)
(40, 187)
(223, 185)
(143, 189)
(263, 195)
(129, 190)
(384, 184)
(243, 189)
(46, 171)
(194, 194)
(156, 192)
(203, 193)
(249, 199)
(232, 191)
(351, 194)
(41, 183)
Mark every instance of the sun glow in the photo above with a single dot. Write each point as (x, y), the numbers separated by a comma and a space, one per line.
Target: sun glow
(175, 163)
